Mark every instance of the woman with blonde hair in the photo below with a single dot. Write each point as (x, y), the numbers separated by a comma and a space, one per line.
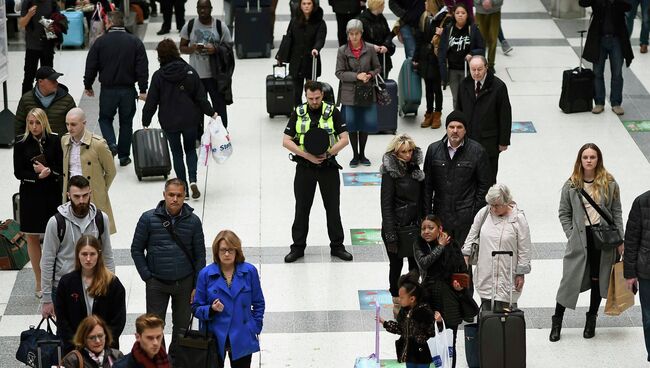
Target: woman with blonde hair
(38, 162)
(402, 187)
(230, 302)
(92, 343)
(587, 265)
(91, 289)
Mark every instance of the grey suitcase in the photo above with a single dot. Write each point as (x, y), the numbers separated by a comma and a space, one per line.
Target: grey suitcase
(502, 333)
(151, 153)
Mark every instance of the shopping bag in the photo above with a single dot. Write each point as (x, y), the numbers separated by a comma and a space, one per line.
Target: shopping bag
(205, 148)
(36, 338)
(619, 298)
(97, 27)
(196, 348)
(219, 140)
(441, 347)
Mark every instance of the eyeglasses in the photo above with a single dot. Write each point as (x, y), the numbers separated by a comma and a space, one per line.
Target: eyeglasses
(98, 338)
(227, 251)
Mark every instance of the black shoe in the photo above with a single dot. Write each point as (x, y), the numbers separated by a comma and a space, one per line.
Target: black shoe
(341, 253)
(556, 328)
(125, 161)
(153, 14)
(354, 162)
(293, 256)
(590, 326)
(364, 161)
(162, 32)
(195, 191)
(113, 151)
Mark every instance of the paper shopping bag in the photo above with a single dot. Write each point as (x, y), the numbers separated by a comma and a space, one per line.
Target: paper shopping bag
(619, 298)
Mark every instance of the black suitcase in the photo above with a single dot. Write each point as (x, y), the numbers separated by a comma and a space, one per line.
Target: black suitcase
(328, 91)
(253, 32)
(502, 333)
(577, 87)
(151, 153)
(15, 199)
(279, 93)
(44, 360)
(387, 115)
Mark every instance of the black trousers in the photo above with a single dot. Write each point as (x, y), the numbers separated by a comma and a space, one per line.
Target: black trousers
(395, 265)
(304, 188)
(217, 98)
(494, 166)
(297, 90)
(32, 58)
(433, 93)
(167, 7)
(341, 22)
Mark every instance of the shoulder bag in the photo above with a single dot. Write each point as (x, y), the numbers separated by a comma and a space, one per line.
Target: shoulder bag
(606, 236)
(168, 226)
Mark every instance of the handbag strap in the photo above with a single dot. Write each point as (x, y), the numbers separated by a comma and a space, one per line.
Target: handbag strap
(595, 206)
(80, 358)
(169, 227)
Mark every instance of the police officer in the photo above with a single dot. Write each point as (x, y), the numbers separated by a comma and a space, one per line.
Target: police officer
(311, 125)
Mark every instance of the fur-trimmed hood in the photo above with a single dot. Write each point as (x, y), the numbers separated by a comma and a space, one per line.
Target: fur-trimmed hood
(396, 168)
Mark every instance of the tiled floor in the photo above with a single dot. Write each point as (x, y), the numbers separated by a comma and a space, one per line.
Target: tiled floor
(313, 317)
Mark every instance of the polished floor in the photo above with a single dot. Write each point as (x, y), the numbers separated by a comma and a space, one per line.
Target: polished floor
(313, 316)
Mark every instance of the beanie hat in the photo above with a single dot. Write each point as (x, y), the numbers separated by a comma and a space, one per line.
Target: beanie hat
(456, 116)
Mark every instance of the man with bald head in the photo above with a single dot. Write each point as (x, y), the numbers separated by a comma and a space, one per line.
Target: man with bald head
(483, 98)
(88, 155)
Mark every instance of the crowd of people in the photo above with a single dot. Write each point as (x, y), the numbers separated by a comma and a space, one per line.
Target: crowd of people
(443, 209)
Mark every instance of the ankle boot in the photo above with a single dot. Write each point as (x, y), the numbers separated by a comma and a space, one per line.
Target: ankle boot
(427, 120)
(435, 120)
(396, 306)
(590, 326)
(556, 328)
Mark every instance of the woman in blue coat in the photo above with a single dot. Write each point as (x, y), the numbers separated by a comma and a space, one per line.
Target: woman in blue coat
(229, 300)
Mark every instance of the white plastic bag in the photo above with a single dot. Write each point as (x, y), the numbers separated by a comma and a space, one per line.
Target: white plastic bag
(441, 347)
(220, 144)
(206, 147)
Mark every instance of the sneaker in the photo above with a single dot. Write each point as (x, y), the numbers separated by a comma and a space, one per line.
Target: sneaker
(598, 109)
(644, 49)
(354, 162)
(618, 110)
(505, 47)
(364, 161)
(195, 191)
(162, 32)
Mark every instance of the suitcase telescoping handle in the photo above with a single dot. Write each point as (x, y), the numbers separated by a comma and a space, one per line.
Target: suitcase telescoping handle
(494, 276)
(383, 68)
(313, 68)
(582, 36)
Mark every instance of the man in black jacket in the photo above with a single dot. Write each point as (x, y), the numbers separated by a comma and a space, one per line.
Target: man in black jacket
(121, 60)
(483, 98)
(345, 10)
(457, 178)
(637, 259)
(172, 236)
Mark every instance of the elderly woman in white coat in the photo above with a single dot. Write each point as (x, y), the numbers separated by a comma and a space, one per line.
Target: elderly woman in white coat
(499, 226)
(584, 266)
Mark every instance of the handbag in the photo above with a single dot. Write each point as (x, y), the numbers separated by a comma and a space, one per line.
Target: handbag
(407, 236)
(619, 298)
(383, 97)
(363, 94)
(606, 236)
(473, 257)
(196, 348)
(97, 27)
(284, 52)
(38, 347)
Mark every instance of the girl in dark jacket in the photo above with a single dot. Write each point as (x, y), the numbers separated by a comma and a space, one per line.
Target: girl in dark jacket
(376, 32)
(402, 185)
(438, 257)
(38, 162)
(459, 41)
(178, 91)
(91, 289)
(306, 37)
(415, 324)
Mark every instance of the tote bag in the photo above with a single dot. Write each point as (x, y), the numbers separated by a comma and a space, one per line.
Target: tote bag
(196, 348)
(441, 347)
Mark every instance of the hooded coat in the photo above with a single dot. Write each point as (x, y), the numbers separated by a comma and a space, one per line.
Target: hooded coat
(176, 90)
(304, 37)
(591, 51)
(56, 112)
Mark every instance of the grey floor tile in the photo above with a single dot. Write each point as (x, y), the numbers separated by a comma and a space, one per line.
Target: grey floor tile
(312, 321)
(570, 27)
(279, 322)
(23, 305)
(538, 42)
(643, 141)
(343, 321)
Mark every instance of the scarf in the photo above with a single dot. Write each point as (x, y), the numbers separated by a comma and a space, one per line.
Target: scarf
(356, 52)
(159, 360)
(46, 101)
(99, 359)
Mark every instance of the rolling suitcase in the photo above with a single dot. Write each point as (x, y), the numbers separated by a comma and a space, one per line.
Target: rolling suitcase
(502, 333)
(75, 35)
(253, 31)
(151, 154)
(387, 114)
(328, 91)
(577, 87)
(279, 93)
(410, 89)
(45, 360)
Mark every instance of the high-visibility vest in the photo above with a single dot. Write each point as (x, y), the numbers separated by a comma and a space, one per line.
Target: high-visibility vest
(303, 123)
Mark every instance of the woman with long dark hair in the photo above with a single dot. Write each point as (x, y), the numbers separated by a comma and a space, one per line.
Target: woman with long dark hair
(584, 266)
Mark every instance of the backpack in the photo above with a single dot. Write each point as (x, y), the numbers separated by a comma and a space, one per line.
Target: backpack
(61, 227)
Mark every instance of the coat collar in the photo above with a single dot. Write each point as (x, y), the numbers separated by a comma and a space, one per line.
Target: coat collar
(392, 166)
(238, 282)
(86, 139)
(348, 52)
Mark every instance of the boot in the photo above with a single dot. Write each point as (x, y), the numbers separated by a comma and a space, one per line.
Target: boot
(435, 120)
(396, 306)
(590, 326)
(556, 327)
(427, 120)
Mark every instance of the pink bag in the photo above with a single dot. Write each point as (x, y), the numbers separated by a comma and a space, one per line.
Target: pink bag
(97, 27)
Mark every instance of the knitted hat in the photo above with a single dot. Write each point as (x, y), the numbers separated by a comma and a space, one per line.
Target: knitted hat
(456, 116)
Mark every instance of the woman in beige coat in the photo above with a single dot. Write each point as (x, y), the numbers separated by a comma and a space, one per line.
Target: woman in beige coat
(97, 163)
(500, 225)
(584, 266)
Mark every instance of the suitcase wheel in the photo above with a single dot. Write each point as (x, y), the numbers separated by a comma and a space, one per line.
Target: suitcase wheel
(271, 116)
(240, 52)
(166, 176)
(139, 177)
(400, 113)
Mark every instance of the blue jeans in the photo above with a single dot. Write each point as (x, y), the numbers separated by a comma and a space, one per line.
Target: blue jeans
(610, 47)
(416, 365)
(644, 296)
(122, 101)
(409, 40)
(645, 19)
(189, 147)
